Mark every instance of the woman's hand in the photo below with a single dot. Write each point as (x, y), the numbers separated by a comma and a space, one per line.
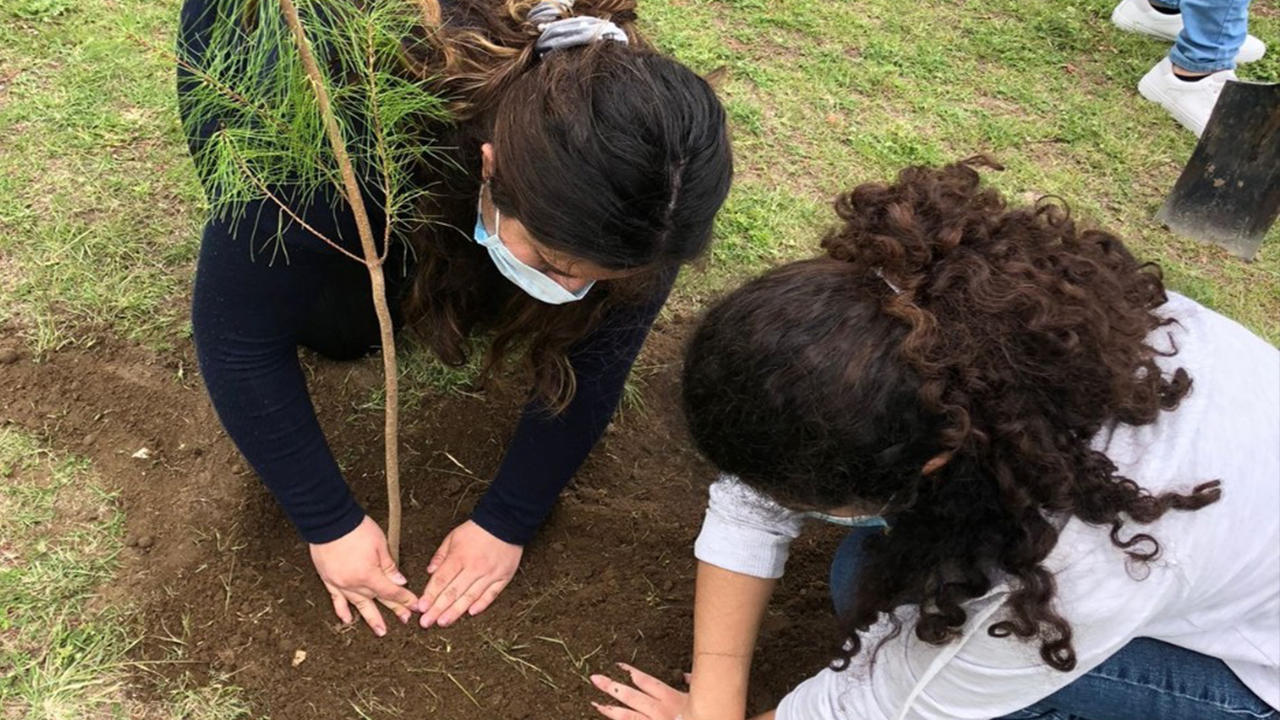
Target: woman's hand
(357, 569)
(650, 699)
(468, 572)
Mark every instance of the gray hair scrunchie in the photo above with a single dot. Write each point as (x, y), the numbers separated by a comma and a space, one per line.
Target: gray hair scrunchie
(557, 33)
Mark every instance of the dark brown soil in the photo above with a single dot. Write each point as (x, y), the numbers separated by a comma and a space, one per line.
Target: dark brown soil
(223, 586)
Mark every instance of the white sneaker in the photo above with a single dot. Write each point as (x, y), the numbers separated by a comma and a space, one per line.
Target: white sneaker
(1190, 103)
(1138, 16)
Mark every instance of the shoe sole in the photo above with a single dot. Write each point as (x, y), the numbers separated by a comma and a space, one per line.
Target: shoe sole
(1148, 89)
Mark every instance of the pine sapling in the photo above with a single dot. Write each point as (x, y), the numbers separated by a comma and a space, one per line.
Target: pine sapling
(313, 110)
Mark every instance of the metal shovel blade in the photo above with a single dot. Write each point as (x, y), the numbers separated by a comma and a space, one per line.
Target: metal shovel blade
(1229, 192)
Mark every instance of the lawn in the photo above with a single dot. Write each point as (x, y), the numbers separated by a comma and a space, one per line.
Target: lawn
(100, 215)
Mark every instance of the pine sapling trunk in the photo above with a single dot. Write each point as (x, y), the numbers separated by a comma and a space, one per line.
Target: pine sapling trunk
(373, 262)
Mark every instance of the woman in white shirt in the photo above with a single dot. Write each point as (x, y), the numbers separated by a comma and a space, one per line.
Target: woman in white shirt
(1080, 474)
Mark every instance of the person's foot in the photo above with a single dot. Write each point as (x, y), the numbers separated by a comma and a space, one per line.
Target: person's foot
(1189, 101)
(1140, 17)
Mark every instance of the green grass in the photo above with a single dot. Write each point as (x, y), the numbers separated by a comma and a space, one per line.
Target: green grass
(98, 204)
(100, 212)
(60, 537)
(825, 95)
(61, 657)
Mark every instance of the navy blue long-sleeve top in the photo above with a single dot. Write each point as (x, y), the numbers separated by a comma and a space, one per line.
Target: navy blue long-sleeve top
(253, 296)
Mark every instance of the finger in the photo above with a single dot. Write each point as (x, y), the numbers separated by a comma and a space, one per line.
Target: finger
(340, 606)
(385, 589)
(487, 598)
(449, 595)
(649, 684)
(369, 611)
(442, 553)
(389, 567)
(470, 596)
(402, 613)
(440, 579)
(688, 679)
(617, 713)
(626, 694)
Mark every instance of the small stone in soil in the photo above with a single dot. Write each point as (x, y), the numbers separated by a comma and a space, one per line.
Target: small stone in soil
(131, 542)
(89, 439)
(557, 547)
(239, 469)
(146, 541)
(8, 356)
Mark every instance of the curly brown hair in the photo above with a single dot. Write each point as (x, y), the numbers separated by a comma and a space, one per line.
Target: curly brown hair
(942, 323)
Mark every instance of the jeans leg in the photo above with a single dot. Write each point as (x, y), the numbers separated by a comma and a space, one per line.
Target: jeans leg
(1153, 679)
(845, 566)
(1212, 33)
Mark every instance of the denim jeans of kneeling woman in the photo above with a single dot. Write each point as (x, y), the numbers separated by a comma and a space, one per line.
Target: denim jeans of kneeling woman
(1147, 679)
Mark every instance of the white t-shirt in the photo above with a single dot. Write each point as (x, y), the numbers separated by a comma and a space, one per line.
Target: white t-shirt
(1215, 588)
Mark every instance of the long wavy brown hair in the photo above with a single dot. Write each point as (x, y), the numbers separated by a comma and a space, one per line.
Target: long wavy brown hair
(942, 323)
(610, 152)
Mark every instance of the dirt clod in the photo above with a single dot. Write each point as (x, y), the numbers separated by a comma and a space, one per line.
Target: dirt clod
(145, 542)
(8, 356)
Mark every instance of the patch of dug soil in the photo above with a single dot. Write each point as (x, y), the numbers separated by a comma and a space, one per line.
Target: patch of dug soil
(223, 585)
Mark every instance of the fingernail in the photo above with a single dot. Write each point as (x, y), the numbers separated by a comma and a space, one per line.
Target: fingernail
(598, 679)
(431, 568)
(624, 666)
(444, 622)
(399, 579)
(380, 631)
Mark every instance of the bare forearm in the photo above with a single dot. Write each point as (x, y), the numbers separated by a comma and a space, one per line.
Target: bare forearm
(728, 609)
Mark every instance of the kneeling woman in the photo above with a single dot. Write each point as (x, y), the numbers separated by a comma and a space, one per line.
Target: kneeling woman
(1079, 472)
(580, 171)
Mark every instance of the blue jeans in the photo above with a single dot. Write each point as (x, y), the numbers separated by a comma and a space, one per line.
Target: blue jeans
(1146, 680)
(1212, 33)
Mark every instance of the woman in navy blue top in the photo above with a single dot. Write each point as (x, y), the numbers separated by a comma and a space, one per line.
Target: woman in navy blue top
(585, 170)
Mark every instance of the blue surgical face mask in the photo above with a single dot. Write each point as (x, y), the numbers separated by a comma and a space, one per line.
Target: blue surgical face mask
(853, 521)
(532, 281)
